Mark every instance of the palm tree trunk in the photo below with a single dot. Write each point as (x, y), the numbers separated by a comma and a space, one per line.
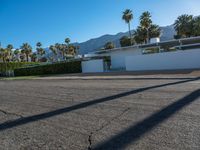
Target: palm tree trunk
(63, 55)
(147, 35)
(129, 28)
(27, 58)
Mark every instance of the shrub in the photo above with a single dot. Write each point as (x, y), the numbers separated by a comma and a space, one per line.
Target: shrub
(109, 45)
(57, 68)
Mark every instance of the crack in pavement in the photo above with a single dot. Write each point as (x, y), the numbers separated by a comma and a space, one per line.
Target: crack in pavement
(90, 141)
(103, 126)
(8, 113)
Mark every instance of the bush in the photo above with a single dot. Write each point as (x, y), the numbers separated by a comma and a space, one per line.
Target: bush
(109, 45)
(57, 68)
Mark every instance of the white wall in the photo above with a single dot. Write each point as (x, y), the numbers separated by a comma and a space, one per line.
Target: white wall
(189, 59)
(93, 66)
(118, 57)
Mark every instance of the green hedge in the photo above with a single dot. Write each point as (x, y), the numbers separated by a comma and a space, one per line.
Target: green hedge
(10, 66)
(57, 68)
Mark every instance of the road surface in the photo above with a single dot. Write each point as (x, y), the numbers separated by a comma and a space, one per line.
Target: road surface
(108, 113)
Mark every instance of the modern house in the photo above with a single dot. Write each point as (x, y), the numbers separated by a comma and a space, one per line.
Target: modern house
(167, 55)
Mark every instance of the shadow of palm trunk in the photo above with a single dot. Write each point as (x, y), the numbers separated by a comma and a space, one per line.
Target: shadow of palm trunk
(34, 118)
(135, 132)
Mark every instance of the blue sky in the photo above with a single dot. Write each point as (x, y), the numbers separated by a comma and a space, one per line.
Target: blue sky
(51, 21)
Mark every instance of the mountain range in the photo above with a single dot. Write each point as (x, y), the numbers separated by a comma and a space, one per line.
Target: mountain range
(167, 33)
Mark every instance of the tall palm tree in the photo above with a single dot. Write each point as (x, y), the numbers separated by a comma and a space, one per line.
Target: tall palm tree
(183, 25)
(16, 53)
(27, 50)
(67, 41)
(9, 51)
(72, 50)
(127, 17)
(146, 22)
(53, 50)
(22, 55)
(61, 48)
(10, 46)
(40, 50)
(58, 47)
(39, 44)
(3, 54)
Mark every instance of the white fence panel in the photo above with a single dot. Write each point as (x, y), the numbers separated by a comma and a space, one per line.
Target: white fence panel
(93, 66)
(118, 57)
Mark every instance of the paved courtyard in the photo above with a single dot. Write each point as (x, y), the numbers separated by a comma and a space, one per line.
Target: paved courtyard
(108, 113)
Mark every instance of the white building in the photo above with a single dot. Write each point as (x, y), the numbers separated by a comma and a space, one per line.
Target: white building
(168, 55)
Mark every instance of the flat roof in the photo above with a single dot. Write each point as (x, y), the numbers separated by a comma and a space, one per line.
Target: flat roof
(170, 43)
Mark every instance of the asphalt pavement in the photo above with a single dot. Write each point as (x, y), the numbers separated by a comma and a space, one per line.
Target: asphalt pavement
(101, 112)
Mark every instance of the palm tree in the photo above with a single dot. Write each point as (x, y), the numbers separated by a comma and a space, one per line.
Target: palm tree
(127, 17)
(10, 46)
(53, 50)
(63, 49)
(27, 50)
(154, 31)
(33, 57)
(183, 25)
(72, 50)
(16, 53)
(39, 44)
(58, 49)
(196, 26)
(40, 50)
(77, 49)
(125, 41)
(3, 54)
(145, 23)
(9, 51)
(140, 35)
(67, 41)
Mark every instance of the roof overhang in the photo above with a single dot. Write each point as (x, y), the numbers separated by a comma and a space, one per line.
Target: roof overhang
(171, 43)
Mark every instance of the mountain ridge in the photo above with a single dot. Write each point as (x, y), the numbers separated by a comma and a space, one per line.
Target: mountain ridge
(167, 33)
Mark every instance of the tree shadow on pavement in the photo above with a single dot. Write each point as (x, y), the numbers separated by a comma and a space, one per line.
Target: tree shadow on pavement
(135, 132)
(34, 118)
